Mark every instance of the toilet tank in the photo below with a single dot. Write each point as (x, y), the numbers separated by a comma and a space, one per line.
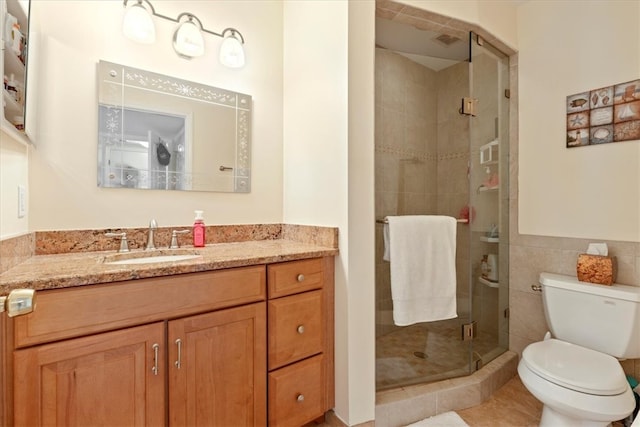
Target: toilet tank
(599, 317)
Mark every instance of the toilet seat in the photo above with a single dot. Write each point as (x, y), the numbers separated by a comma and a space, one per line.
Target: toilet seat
(576, 368)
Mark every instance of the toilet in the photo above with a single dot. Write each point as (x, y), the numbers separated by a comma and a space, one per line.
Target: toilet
(575, 371)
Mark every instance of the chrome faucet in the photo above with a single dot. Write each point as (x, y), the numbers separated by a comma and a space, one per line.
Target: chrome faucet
(153, 225)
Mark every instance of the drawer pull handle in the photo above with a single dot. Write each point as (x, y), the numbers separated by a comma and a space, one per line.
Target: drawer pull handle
(300, 278)
(178, 362)
(300, 329)
(300, 398)
(155, 348)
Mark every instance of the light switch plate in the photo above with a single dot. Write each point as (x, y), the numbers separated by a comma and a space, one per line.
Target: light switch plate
(22, 201)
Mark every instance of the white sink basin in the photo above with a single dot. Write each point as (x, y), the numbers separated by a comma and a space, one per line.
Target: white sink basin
(162, 256)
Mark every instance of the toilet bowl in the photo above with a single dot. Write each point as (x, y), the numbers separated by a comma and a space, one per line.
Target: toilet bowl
(577, 386)
(576, 374)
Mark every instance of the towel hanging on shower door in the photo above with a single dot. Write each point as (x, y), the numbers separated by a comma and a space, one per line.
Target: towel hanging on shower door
(423, 268)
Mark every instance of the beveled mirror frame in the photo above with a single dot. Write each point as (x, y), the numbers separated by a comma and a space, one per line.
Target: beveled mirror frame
(113, 82)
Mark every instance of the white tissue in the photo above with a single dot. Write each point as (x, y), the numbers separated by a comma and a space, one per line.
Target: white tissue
(598, 249)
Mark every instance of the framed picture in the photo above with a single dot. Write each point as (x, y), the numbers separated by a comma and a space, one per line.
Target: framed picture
(604, 115)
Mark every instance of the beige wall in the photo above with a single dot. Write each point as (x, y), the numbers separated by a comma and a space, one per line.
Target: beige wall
(585, 192)
(63, 166)
(315, 121)
(14, 163)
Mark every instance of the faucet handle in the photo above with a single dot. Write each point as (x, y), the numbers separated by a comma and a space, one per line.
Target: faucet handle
(174, 238)
(124, 245)
(151, 244)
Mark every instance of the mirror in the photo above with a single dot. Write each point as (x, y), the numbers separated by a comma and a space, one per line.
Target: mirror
(162, 133)
(14, 61)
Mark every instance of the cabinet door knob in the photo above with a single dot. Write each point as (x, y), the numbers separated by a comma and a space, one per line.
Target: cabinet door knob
(300, 398)
(300, 329)
(300, 277)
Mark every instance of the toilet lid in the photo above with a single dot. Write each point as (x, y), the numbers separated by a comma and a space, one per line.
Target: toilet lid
(575, 367)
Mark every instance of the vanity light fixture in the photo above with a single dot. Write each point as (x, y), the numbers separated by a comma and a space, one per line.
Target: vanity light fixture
(138, 25)
(231, 51)
(188, 40)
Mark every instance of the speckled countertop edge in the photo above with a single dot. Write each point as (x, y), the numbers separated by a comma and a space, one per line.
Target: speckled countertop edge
(58, 271)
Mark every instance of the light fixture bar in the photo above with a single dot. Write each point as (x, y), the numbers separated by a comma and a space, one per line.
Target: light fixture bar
(191, 15)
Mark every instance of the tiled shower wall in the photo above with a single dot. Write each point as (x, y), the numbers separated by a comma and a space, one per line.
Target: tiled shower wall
(421, 155)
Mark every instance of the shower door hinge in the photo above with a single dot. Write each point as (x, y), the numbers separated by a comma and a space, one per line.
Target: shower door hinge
(507, 313)
(507, 93)
(469, 331)
(468, 106)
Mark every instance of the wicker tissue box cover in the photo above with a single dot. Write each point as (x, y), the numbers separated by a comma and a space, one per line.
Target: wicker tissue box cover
(596, 269)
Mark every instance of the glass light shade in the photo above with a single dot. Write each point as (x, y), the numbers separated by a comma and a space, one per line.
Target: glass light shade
(188, 40)
(232, 52)
(138, 26)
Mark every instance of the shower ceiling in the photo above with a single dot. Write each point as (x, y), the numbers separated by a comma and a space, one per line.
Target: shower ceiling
(420, 46)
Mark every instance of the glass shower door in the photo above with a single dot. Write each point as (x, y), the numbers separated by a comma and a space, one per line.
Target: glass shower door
(433, 159)
(489, 199)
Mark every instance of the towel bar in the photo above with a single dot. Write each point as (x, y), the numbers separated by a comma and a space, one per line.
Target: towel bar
(460, 220)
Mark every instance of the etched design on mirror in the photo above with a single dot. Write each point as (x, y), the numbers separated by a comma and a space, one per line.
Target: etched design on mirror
(163, 133)
(172, 86)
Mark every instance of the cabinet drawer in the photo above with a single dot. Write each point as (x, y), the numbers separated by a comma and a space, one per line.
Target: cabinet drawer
(296, 328)
(67, 313)
(296, 393)
(296, 276)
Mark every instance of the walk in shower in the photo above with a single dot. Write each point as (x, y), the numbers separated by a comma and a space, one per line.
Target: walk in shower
(441, 148)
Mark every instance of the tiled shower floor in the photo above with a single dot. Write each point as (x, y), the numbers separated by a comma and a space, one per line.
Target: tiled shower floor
(426, 352)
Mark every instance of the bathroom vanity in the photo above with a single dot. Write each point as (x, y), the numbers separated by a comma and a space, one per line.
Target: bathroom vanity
(206, 344)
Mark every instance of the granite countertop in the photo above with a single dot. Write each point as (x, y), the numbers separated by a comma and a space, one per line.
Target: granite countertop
(86, 268)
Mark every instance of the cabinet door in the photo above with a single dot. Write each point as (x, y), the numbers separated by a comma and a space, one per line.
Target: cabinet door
(99, 380)
(217, 369)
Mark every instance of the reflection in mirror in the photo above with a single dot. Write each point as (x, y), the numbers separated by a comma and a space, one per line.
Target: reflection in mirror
(162, 133)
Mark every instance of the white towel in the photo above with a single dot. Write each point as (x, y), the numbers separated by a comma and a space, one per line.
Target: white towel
(385, 237)
(423, 268)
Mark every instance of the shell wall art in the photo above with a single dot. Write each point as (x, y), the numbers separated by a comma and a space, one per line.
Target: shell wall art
(608, 114)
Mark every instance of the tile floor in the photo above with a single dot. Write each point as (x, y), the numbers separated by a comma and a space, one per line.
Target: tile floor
(511, 406)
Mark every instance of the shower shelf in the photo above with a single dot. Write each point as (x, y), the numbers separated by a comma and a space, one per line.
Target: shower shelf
(489, 239)
(482, 189)
(487, 153)
(488, 282)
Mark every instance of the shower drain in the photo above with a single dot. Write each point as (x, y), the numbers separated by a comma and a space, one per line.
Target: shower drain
(420, 354)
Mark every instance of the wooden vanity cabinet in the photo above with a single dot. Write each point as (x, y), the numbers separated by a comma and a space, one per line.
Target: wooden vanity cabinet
(204, 369)
(197, 349)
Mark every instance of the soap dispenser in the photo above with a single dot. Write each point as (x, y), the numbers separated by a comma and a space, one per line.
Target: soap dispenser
(198, 230)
